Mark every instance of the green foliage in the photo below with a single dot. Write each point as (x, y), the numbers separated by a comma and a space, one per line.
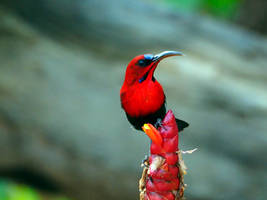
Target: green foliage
(222, 8)
(3, 190)
(218, 8)
(12, 191)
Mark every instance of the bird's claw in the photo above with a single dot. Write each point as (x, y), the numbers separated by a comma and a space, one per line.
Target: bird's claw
(159, 124)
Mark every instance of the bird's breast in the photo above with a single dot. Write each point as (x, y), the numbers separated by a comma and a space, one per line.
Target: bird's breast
(143, 99)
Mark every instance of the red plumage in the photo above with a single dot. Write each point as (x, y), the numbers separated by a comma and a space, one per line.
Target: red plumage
(142, 96)
(141, 99)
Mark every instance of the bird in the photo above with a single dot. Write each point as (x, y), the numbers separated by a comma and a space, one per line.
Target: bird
(142, 96)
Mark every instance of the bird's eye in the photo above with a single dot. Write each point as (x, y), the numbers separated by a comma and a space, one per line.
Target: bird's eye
(148, 58)
(142, 63)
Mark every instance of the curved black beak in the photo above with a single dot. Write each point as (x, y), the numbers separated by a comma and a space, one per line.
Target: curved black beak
(155, 60)
(166, 54)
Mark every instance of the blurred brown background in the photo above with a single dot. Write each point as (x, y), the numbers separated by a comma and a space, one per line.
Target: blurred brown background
(62, 63)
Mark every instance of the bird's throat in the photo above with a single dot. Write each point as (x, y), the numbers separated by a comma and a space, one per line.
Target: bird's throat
(149, 74)
(143, 78)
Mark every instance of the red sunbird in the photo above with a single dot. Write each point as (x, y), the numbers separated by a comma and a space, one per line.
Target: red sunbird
(142, 96)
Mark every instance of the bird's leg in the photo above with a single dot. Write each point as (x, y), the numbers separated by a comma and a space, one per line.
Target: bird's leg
(159, 123)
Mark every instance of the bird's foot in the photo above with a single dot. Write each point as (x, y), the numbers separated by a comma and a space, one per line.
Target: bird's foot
(159, 124)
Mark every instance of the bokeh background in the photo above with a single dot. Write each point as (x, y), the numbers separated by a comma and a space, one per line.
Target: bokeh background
(63, 134)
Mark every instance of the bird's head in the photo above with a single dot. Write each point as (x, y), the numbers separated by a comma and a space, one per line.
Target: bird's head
(142, 67)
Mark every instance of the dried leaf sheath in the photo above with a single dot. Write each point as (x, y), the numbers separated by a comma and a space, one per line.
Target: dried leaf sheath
(162, 178)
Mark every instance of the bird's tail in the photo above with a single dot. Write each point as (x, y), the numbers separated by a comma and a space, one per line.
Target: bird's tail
(181, 124)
